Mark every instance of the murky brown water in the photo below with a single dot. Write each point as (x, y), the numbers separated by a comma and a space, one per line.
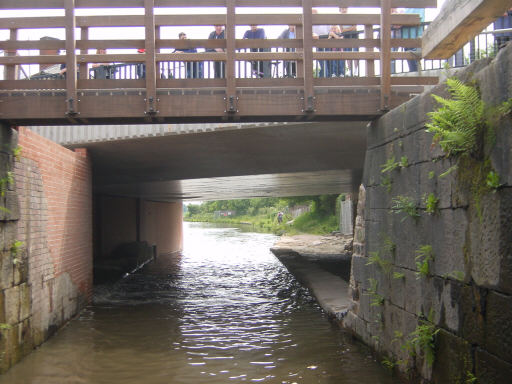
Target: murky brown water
(226, 311)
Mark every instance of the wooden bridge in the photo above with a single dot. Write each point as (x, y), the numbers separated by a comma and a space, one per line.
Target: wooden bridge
(156, 89)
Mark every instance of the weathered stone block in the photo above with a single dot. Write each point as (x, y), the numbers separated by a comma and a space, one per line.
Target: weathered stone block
(398, 291)
(498, 329)
(25, 301)
(12, 206)
(12, 305)
(472, 313)
(6, 270)
(491, 369)
(490, 248)
(21, 267)
(453, 360)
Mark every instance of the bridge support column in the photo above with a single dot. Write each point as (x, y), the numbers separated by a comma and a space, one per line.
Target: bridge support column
(128, 229)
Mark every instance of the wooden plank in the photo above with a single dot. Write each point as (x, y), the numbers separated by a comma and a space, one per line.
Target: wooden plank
(347, 43)
(230, 34)
(269, 83)
(33, 44)
(347, 82)
(199, 20)
(203, 56)
(32, 22)
(337, 55)
(83, 67)
(268, 43)
(191, 83)
(364, 19)
(191, 43)
(414, 80)
(307, 38)
(10, 70)
(267, 56)
(32, 84)
(149, 18)
(55, 4)
(111, 84)
(71, 68)
(110, 44)
(458, 23)
(385, 59)
(370, 64)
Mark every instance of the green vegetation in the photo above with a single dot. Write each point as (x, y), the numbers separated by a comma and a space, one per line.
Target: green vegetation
(17, 152)
(5, 182)
(431, 175)
(322, 217)
(375, 298)
(5, 326)
(460, 121)
(423, 338)
(404, 204)
(457, 275)
(423, 257)
(493, 181)
(404, 162)
(375, 258)
(398, 275)
(390, 165)
(387, 182)
(432, 203)
(15, 248)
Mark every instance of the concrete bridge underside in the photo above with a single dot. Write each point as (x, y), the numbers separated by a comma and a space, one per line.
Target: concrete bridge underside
(234, 162)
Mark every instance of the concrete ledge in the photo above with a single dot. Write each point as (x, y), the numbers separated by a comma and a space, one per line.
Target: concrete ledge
(330, 291)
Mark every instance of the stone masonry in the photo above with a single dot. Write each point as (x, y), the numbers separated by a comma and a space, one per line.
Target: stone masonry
(468, 288)
(46, 235)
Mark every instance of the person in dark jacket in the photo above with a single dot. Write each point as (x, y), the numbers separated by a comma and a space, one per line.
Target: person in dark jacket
(219, 67)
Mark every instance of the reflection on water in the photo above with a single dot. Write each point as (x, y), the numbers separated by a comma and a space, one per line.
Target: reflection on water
(224, 311)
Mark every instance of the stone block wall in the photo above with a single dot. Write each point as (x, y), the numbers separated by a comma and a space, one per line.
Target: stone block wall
(47, 279)
(467, 291)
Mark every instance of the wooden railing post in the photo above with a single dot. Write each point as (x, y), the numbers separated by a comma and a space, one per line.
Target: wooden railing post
(149, 22)
(229, 31)
(307, 55)
(370, 64)
(71, 78)
(10, 70)
(385, 54)
(83, 68)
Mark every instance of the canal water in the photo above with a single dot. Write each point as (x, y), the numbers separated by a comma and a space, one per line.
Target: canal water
(226, 311)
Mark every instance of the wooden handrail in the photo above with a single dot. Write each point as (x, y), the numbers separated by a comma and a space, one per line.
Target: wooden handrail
(56, 4)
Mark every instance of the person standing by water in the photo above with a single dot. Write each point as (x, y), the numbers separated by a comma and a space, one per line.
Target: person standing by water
(219, 67)
(280, 217)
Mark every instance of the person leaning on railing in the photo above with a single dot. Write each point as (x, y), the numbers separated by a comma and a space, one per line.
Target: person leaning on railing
(336, 67)
(102, 70)
(321, 32)
(290, 67)
(219, 67)
(350, 32)
(259, 68)
(193, 69)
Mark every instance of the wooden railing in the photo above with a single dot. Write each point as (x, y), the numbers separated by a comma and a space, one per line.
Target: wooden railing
(374, 54)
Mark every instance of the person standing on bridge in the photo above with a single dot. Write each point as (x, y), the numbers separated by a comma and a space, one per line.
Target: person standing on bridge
(290, 67)
(219, 67)
(259, 68)
(193, 69)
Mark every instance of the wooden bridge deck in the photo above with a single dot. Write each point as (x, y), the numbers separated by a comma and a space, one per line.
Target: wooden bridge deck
(235, 95)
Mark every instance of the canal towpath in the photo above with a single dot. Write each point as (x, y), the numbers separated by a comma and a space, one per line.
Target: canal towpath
(321, 264)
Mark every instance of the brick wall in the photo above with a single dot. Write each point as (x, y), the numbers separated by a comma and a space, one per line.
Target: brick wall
(53, 278)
